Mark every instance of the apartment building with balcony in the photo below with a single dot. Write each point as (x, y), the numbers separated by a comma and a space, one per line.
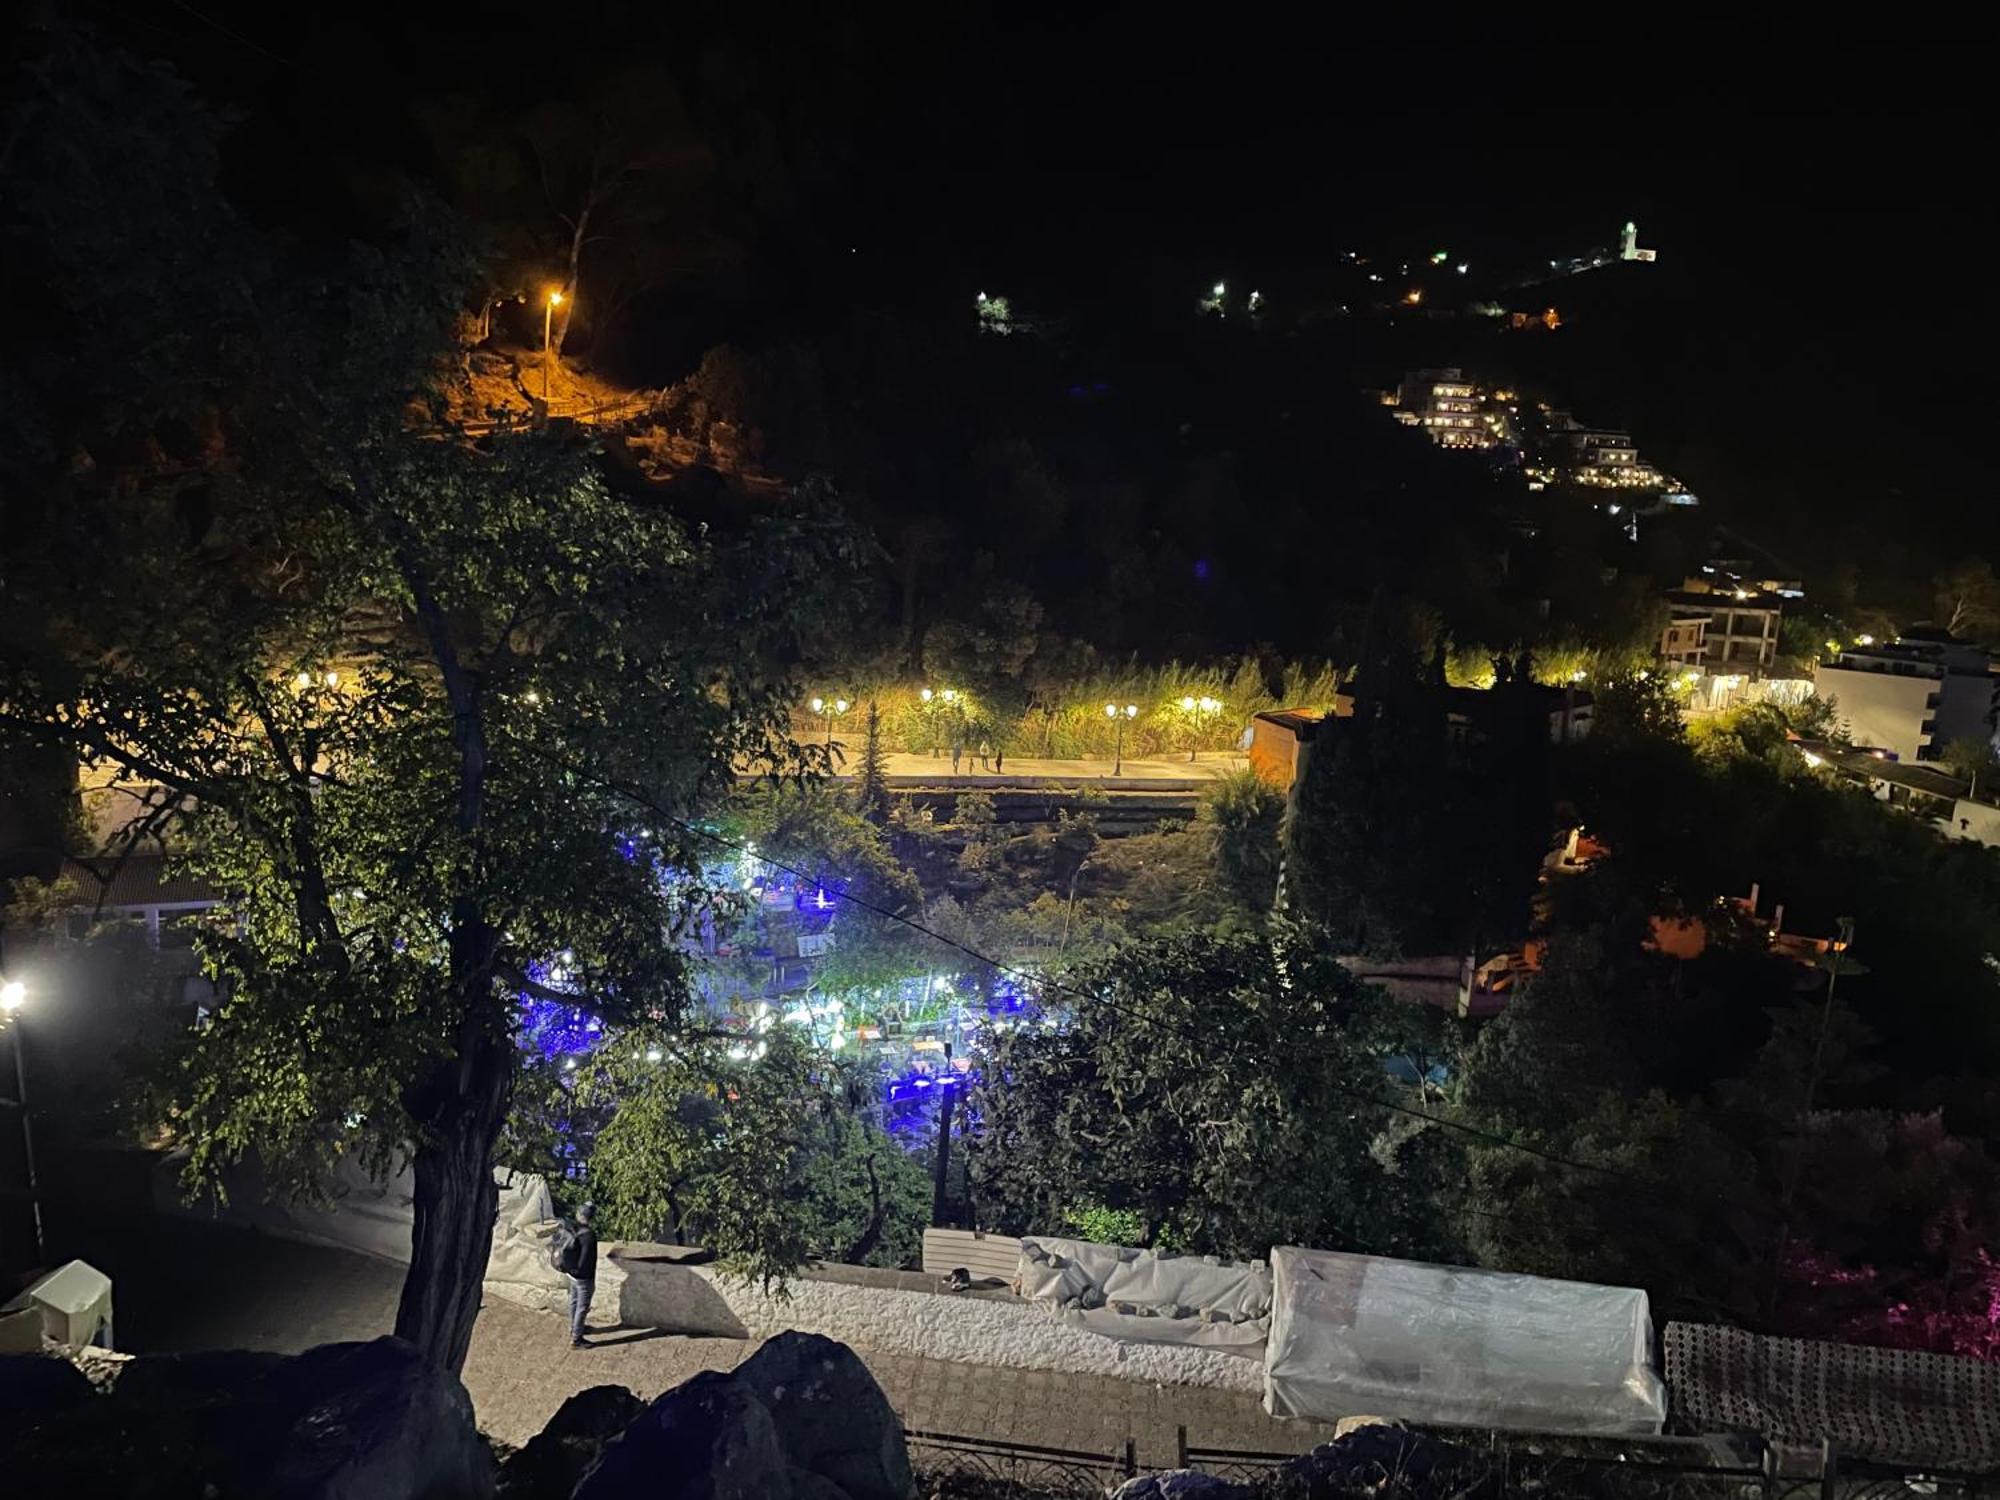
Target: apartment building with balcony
(1736, 626)
(1914, 695)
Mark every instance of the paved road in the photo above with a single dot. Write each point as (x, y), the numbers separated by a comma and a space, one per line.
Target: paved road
(179, 1284)
(911, 767)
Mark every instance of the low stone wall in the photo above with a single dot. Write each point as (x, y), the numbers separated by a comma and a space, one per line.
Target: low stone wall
(850, 1305)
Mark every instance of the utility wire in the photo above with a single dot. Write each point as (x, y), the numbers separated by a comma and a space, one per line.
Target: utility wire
(1038, 981)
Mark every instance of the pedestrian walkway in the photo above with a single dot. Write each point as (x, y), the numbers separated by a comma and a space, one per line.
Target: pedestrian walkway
(909, 766)
(182, 1284)
(521, 1369)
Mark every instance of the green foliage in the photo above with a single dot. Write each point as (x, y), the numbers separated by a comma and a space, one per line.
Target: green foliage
(1972, 756)
(1703, 1130)
(1417, 824)
(1107, 1226)
(1244, 812)
(1224, 1091)
(871, 789)
(395, 690)
(1968, 600)
(1636, 708)
(763, 1161)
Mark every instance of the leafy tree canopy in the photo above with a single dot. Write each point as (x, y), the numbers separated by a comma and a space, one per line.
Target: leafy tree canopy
(429, 712)
(1225, 1091)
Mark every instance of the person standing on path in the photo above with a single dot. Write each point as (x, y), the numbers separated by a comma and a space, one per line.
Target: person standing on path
(957, 750)
(576, 1258)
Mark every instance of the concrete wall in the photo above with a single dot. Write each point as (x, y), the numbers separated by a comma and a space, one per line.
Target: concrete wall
(1880, 709)
(888, 1313)
(1979, 821)
(1887, 709)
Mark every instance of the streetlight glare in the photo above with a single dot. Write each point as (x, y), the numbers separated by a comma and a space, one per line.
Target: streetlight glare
(1110, 710)
(925, 695)
(818, 704)
(1187, 705)
(840, 705)
(555, 297)
(13, 994)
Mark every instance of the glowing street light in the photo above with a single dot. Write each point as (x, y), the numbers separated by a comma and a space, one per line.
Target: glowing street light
(832, 710)
(1198, 711)
(1120, 716)
(14, 995)
(548, 322)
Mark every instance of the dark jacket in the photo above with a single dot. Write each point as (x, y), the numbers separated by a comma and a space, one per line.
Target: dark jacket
(585, 1240)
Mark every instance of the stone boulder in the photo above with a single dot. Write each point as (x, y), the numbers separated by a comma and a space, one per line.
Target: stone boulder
(36, 1388)
(1388, 1463)
(709, 1438)
(341, 1422)
(175, 1383)
(831, 1416)
(374, 1421)
(556, 1457)
(1182, 1484)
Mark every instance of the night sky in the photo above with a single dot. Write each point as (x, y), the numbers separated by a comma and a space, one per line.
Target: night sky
(1812, 347)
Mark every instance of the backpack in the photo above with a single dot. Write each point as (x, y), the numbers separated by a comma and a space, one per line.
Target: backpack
(565, 1251)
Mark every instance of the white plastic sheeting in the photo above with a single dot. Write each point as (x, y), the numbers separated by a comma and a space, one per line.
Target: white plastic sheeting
(1357, 1333)
(374, 1216)
(1126, 1293)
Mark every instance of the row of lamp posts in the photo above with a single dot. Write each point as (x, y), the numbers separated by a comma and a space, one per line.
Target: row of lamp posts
(1199, 710)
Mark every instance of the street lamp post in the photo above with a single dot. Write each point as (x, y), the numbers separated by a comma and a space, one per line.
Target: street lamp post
(831, 711)
(13, 994)
(1198, 711)
(1120, 716)
(548, 323)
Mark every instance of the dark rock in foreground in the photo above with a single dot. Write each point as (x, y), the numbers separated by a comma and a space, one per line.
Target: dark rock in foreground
(709, 1438)
(556, 1457)
(374, 1421)
(35, 1389)
(341, 1422)
(1182, 1484)
(833, 1419)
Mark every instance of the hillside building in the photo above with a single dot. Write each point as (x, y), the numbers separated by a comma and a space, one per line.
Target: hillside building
(1914, 695)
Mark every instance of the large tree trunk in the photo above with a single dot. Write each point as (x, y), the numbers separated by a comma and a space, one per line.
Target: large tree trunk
(455, 1201)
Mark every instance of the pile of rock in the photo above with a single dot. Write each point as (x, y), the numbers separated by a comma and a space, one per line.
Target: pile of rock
(802, 1419)
(337, 1421)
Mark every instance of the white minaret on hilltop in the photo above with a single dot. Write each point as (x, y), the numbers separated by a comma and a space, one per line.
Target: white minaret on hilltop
(1628, 244)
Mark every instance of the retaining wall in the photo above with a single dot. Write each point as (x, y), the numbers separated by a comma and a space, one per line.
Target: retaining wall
(889, 1314)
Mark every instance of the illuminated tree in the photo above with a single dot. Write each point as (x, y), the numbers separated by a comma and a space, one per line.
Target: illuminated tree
(430, 713)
